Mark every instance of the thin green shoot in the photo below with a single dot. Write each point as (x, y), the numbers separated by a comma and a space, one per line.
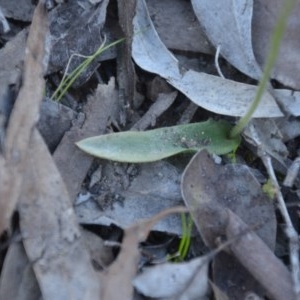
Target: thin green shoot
(185, 240)
(69, 79)
(273, 53)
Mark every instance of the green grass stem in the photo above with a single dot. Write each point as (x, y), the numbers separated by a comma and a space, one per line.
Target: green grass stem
(68, 80)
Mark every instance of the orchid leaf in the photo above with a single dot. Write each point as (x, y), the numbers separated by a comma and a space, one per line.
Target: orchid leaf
(156, 144)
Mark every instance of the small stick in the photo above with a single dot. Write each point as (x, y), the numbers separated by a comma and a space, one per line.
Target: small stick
(290, 231)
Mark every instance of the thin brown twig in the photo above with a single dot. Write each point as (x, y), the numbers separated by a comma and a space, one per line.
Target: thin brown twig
(290, 231)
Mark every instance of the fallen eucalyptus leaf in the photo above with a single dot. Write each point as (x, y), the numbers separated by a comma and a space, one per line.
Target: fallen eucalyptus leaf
(165, 12)
(156, 144)
(119, 276)
(154, 188)
(215, 94)
(210, 191)
(216, 17)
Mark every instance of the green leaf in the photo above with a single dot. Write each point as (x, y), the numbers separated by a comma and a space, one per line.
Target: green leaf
(156, 144)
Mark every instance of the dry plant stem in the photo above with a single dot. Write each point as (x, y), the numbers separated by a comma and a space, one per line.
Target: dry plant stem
(290, 231)
(217, 62)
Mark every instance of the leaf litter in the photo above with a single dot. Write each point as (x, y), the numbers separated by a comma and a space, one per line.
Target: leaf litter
(54, 195)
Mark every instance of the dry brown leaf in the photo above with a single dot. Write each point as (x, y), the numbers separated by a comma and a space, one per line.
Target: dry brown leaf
(192, 37)
(208, 190)
(51, 232)
(227, 24)
(72, 163)
(118, 280)
(209, 186)
(124, 200)
(18, 281)
(254, 254)
(213, 93)
(23, 118)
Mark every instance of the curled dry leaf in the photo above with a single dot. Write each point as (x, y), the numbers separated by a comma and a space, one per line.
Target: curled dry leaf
(210, 92)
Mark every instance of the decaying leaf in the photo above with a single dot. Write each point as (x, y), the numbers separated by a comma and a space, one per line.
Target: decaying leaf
(53, 242)
(246, 44)
(122, 200)
(259, 260)
(121, 273)
(192, 38)
(227, 24)
(160, 143)
(48, 225)
(210, 92)
(17, 277)
(72, 163)
(209, 190)
(208, 185)
(23, 118)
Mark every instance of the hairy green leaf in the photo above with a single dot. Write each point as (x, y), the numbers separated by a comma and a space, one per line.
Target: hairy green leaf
(156, 144)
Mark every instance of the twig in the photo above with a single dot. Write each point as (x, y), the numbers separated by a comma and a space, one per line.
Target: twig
(290, 231)
(217, 62)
